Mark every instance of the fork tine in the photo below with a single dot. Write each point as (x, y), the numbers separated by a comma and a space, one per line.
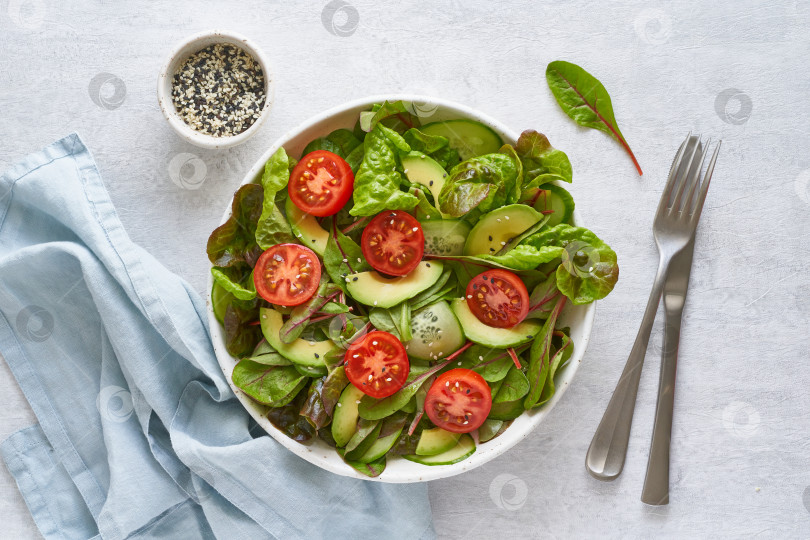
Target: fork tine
(688, 178)
(688, 203)
(673, 174)
(704, 189)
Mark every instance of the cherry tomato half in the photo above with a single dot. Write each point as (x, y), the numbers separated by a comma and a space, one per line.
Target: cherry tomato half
(498, 298)
(459, 401)
(287, 274)
(393, 242)
(321, 183)
(377, 364)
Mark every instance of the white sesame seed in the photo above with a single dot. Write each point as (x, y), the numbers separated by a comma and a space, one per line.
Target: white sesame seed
(456, 384)
(358, 402)
(415, 229)
(469, 296)
(340, 404)
(355, 356)
(503, 243)
(506, 217)
(388, 379)
(373, 342)
(480, 357)
(447, 383)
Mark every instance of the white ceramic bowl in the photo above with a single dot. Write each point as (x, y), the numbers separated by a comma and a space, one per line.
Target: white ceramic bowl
(399, 470)
(179, 55)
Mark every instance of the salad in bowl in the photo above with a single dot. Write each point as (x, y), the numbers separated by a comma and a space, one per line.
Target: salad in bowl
(394, 293)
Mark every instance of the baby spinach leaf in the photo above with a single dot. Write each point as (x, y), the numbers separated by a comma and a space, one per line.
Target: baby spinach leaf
(341, 142)
(366, 434)
(334, 308)
(423, 210)
(291, 423)
(382, 319)
(235, 280)
(355, 158)
(273, 228)
(589, 268)
(234, 241)
(541, 301)
(538, 369)
(274, 386)
(562, 352)
(376, 409)
(265, 354)
(492, 364)
(372, 469)
(377, 182)
(342, 257)
(515, 385)
(582, 97)
(401, 315)
(480, 184)
(446, 157)
(241, 336)
(542, 162)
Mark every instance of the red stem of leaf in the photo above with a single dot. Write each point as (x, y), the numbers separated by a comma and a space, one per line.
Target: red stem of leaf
(416, 420)
(514, 356)
(360, 222)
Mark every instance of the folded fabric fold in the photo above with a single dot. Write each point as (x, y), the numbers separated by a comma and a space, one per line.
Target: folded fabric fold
(139, 434)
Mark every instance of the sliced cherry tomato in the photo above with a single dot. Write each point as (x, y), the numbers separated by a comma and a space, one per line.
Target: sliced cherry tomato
(393, 242)
(321, 183)
(498, 298)
(459, 400)
(287, 274)
(377, 364)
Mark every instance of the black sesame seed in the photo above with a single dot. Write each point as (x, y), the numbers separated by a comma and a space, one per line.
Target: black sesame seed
(316, 355)
(427, 264)
(431, 182)
(354, 279)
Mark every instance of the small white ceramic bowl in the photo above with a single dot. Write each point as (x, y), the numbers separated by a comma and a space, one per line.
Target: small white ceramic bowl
(399, 470)
(179, 55)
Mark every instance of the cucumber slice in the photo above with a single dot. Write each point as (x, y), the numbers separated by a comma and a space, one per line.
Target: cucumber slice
(445, 236)
(372, 289)
(468, 137)
(220, 300)
(497, 338)
(556, 201)
(435, 330)
(344, 419)
(436, 441)
(380, 447)
(306, 228)
(309, 354)
(498, 227)
(461, 451)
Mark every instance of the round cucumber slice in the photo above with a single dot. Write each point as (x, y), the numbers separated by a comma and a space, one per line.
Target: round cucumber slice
(436, 332)
(445, 236)
(468, 137)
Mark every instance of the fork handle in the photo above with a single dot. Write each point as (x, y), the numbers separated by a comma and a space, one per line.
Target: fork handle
(608, 449)
(656, 482)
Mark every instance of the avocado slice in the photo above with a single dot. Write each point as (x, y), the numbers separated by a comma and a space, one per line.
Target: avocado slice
(435, 441)
(372, 289)
(496, 228)
(305, 353)
(461, 451)
(421, 169)
(306, 228)
(497, 338)
(344, 419)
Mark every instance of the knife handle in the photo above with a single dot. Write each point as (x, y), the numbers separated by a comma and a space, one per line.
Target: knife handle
(656, 482)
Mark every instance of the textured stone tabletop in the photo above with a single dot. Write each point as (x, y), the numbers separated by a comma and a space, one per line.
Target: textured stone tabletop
(741, 438)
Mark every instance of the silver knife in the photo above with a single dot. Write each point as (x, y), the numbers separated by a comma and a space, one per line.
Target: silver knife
(656, 482)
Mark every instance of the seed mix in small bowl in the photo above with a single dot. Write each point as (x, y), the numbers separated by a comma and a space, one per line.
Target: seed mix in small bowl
(219, 90)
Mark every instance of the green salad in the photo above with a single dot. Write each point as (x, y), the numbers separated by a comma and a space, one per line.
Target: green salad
(397, 290)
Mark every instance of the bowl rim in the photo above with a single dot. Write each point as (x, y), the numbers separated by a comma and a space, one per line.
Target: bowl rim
(179, 53)
(421, 473)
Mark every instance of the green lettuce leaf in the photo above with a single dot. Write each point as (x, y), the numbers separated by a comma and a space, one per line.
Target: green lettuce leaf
(273, 228)
(274, 386)
(539, 158)
(237, 281)
(377, 183)
(589, 268)
(481, 184)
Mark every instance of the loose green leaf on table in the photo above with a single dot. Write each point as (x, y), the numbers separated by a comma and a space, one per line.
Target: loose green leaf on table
(582, 97)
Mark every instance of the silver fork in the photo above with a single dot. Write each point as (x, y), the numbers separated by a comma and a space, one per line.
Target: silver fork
(674, 227)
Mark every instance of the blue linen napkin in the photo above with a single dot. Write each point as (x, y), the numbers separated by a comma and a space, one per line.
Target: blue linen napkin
(139, 434)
